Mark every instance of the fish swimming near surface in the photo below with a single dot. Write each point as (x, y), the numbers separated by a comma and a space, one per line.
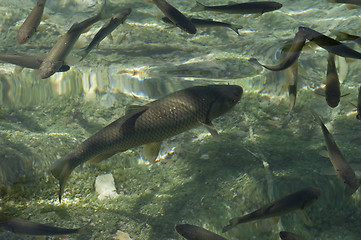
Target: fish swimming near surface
(240, 8)
(113, 23)
(27, 61)
(150, 125)
(292, 54)
(192, 232)
(208, 23)
(31, 23)
(289, 236)
(55, 58)
(289, 203)
(176, 16)
(329, 44)
(339, 163)
(333, 92)
(20, 226)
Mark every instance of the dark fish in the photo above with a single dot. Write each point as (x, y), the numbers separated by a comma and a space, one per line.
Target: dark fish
(240, 8)
(31, 23)
(19, 226)
(289, 203)
(289, 236)
(208, 23)
(192, 232)
(358, 116)
(292, 54)
(55, 58)
(151, 124)
(331, 45)
(176, 16)
(27, 61)
(353, 2)
(339, 163)
(106, 30)
(333, 92)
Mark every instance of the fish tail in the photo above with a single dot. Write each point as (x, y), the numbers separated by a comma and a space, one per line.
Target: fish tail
(198, 7)
(235, 28)
(83, 53)
(61, 170)
(317, 117)
(233, 222)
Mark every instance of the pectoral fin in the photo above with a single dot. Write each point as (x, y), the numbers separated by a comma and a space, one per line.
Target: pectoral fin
(132, 112)
(304, 217)
(211, 129)
(151, 151)
(110, 37)
(101, 157)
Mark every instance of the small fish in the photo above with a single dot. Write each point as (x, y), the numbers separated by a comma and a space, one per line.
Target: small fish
(333, 92)
(289, 236)
(150, 125)
(20, 226)
(292, 54)
(192, 232)
(289, 203)
(339, 163)
(106, 30)
(27, 61)
(55, 58)
(331, 45)
(31, 23)
(176, 16)
(207, 23)
(358, 116)
(342, 36)
(240, 8)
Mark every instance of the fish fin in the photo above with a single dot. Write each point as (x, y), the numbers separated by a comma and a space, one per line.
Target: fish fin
(87, 29)
(151, 151)
(132, 112)
(350, 60)
(284, 88)
(287, 120)
(61, 170)
(324, 153)
(233, 222)
(100, 157)
(276, 220)
(41, 28)
(319, 92)
(345, 95)
(254, 61)
(110, 37)
(18, 69)
(211, 129)
(198, 7)
(134, 109)
(232, 2)
(304, 217)
(236, 28)
(45, 17)
(353, 104)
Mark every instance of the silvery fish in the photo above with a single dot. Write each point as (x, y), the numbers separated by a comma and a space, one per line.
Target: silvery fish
(333, 92)
(192, 232)
(113, 23)
(208, 23)
(292, 54)
(240, 8)
(339, 163)
(27, 61)
(55, 58)
(289, 203)
(289, 236)
(176, 16)
(31, 23)
(150, 125)
(331, 45)
(20, 226)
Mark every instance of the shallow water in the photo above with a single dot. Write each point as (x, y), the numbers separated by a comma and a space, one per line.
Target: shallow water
(198, 180)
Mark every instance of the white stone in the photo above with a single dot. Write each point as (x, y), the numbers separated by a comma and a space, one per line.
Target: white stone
(105, 186)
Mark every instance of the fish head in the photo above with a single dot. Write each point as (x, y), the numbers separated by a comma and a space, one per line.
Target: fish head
(226, 97)
(24, 35)
(48, 68)
(64, 68)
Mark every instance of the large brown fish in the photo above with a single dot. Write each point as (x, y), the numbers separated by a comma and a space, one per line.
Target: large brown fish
(192, 232)
(289, 203)
(20, 226)
(31, 23)
(333, 92)
(292, 54)
(55, 58)
(151, 124)
(176, 16)
(331, 45)
(240, 8)
(339, 163)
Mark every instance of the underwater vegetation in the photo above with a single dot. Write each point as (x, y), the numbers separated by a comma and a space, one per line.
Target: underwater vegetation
(210, 119)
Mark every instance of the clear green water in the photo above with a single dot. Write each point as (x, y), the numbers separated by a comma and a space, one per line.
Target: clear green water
(198, 180)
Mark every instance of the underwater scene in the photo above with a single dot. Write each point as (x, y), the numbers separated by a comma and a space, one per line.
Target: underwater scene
(180, 119)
